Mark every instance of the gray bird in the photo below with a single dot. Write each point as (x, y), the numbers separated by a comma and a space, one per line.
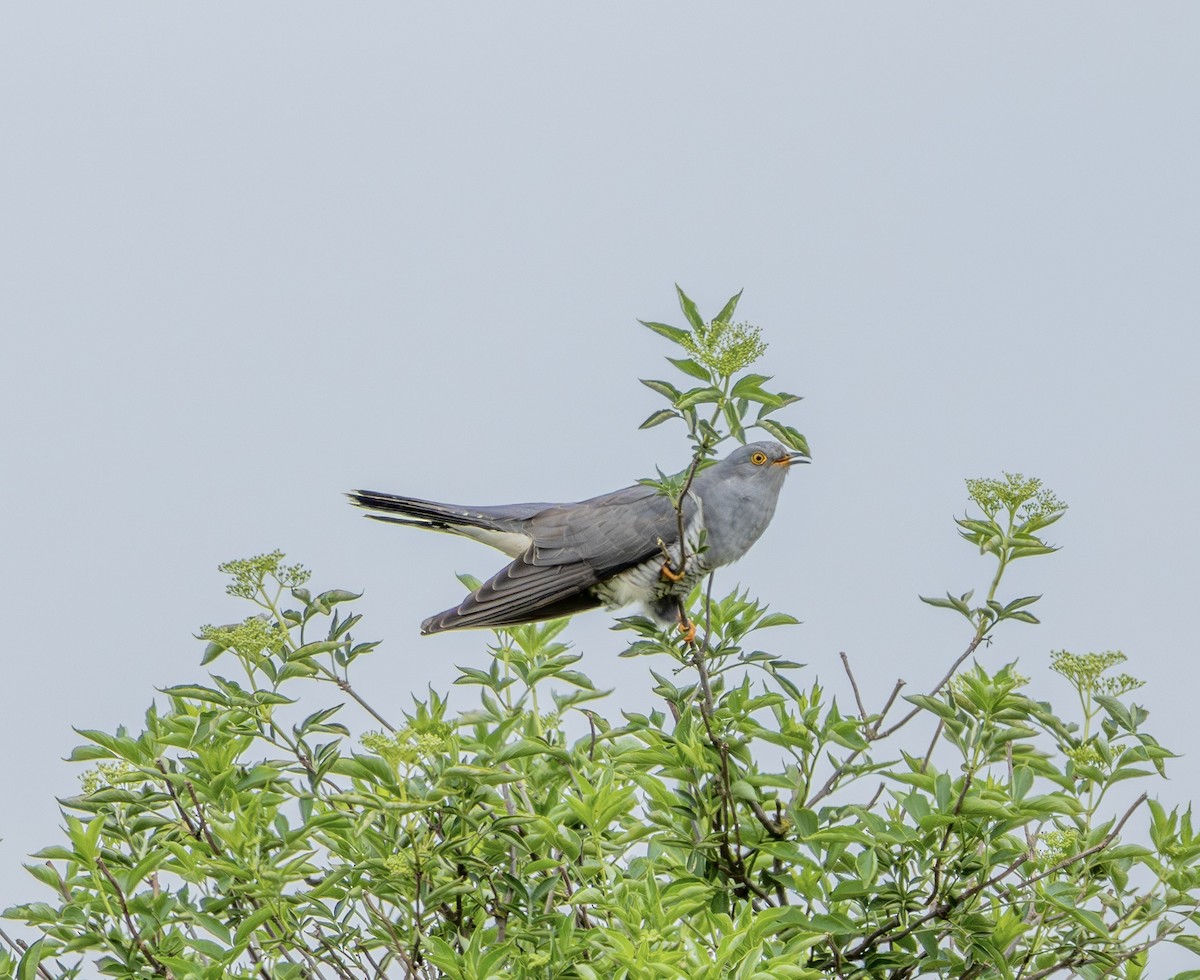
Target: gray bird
(610, 551)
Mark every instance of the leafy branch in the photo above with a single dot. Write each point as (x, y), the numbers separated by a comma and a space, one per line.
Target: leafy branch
(249, 827)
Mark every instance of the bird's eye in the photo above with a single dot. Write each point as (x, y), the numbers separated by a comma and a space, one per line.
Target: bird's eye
(758, 458)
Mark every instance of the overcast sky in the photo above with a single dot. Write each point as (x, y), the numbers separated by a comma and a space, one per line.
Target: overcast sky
(257, 254)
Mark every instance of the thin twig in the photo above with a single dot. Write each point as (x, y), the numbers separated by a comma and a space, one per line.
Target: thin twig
(21, 947)
(887, 707)
(200, 816)
(687, 486)
(397, 945)
(943, 909)
(937, 861)
(345, 686)
(769, 825)
(134, 932)
(971, 648)
(201, 833)
(937, 734)
(1088, 852)
(332, 951)
(1076, 959)
(871, 734)
(378, 968)
(834, 778)
(581, 916)
(183, 814)
(862, 711)
(728, 810)
(591, 717)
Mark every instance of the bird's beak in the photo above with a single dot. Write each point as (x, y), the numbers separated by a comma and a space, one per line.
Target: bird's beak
(791, 459)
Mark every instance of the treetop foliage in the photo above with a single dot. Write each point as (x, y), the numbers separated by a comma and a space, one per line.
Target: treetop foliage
(752, 826)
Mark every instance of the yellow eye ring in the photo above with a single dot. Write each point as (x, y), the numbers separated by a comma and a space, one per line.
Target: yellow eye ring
(758, 458)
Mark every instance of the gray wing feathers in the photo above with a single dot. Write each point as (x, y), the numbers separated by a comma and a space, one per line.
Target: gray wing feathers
(518, 593)
(575, 547)
(610, 533)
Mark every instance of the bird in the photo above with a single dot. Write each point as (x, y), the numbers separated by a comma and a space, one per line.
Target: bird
(613, 550)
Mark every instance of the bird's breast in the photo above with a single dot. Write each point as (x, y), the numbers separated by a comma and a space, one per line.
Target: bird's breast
(645, 583)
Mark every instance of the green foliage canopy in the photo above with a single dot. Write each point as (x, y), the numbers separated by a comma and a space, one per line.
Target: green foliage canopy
(752, 827)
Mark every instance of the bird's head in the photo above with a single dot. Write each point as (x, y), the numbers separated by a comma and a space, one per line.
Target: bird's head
(756, 464)
(763, 457)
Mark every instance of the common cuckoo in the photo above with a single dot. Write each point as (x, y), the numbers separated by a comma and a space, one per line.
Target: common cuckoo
(612, 550)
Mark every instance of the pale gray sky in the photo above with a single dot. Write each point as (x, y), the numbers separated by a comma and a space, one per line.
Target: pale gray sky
(257, 254)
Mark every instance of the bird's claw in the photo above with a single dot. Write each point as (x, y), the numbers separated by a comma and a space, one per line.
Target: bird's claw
(688, 629)
(671, 575)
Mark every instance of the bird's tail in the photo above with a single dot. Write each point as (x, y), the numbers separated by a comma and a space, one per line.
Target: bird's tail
(418, 513)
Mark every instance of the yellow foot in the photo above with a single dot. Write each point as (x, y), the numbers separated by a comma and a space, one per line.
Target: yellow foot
(688, 630)
(671, 575)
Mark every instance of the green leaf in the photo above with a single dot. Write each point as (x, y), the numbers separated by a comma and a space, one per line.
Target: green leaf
(728, 309)
(1039, 521)
(673, 334)
(776, 619)
(247, 926)
(658, 418)
(1027, 552)
(950, 602)
(935, 705)
(832, 923)
(785, 434)
(211, 652)
(734, 422)
(334, 596)
(89, 753)
(689, 309)
(545, 864)
(748, 382)
(764, 398)
(27, 966)
(315, 649)
(690, 367)
(1188, 942)
(698, 396)
(527, 747)
(317, 718)
(866, 865)
(664, 388)
(1090, 920)
(1023, 617)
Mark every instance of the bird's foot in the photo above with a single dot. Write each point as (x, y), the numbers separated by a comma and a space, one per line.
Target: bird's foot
(671, 575)
(688, 629)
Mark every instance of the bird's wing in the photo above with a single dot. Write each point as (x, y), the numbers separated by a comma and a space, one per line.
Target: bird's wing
(521, 592)
(608, 533)
(574, 547)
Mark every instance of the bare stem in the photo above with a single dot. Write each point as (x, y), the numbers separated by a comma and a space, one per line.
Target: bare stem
(345, 686)
(134, 932)
(971, 647)
(20, 946)
(862, 711)
(1101, 845)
